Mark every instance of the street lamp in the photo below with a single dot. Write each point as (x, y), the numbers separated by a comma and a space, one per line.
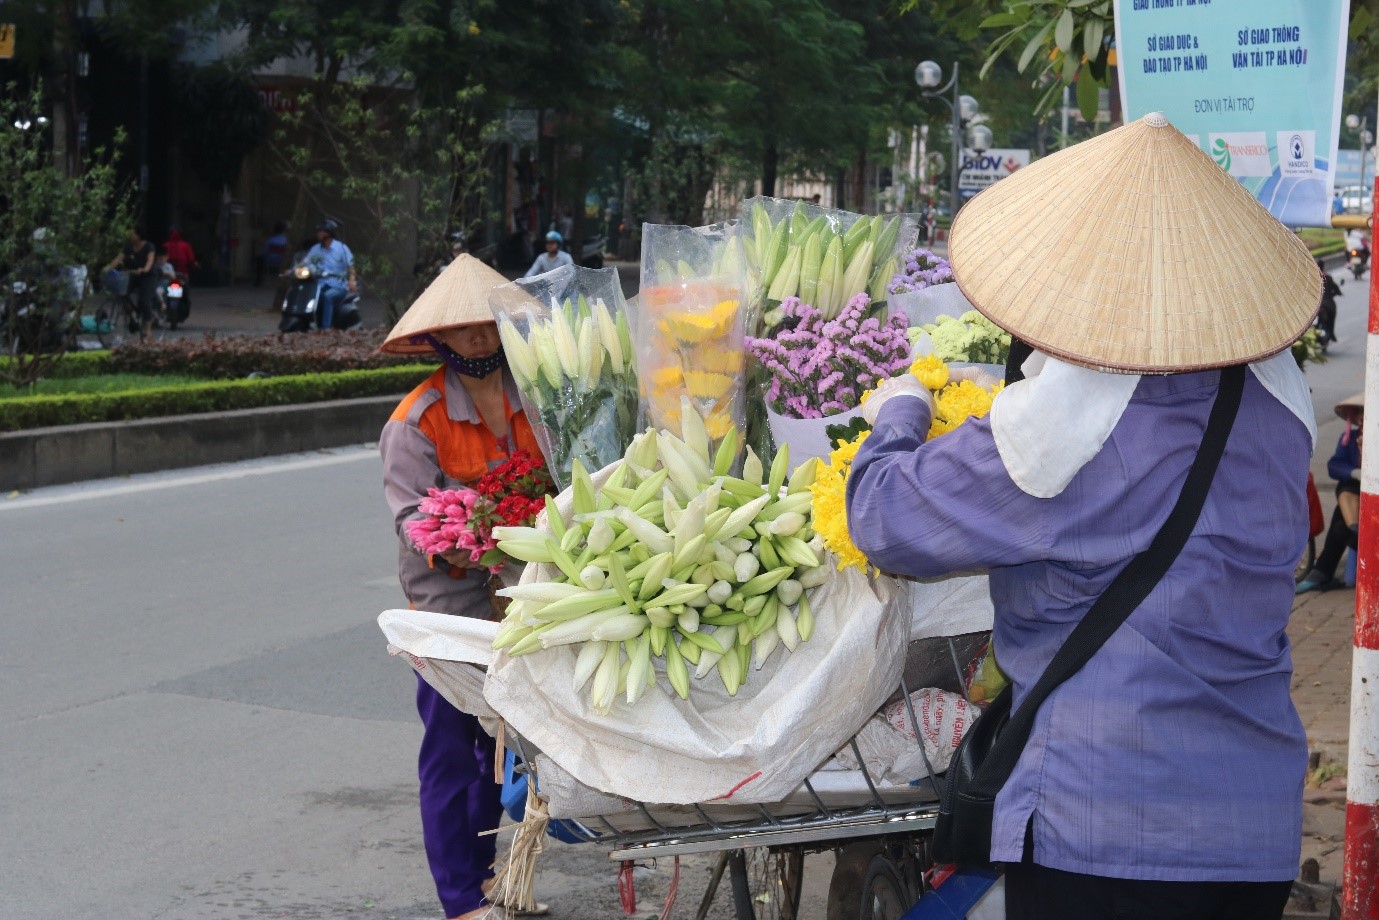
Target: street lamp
(928, 75)
(1362, 123)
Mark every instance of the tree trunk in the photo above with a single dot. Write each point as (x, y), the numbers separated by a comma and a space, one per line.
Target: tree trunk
(858, 199)
(329, 76)
(770, 166)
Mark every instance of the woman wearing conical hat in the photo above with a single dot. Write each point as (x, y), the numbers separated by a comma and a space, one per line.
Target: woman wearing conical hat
(1163, 778)
(1343, 533)
(464, 419)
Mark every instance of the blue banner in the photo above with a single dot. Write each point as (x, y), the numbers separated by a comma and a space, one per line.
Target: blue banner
(1256, 83)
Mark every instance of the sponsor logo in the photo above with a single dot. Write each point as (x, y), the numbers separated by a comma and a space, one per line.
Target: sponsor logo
(1242, 154)
(1297, 153)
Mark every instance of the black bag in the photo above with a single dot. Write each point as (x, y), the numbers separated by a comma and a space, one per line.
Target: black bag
(991, 748)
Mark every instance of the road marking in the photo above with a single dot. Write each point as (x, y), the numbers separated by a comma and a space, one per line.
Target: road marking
(221, 472)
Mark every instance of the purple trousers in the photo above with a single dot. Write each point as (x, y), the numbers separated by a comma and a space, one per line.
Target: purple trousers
(459, 799)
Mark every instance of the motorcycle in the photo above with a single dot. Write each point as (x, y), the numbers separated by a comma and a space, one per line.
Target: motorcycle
(299, 306)
(1358, 260)
(177, 300)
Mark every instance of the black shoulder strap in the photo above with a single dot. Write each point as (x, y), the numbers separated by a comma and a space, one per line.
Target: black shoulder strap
(1125, 593)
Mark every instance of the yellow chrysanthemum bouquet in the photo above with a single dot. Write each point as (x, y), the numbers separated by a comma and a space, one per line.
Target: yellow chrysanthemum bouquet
(955, 401)
(689, 334)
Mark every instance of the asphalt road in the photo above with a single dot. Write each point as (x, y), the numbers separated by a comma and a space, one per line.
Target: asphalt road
(197, 717)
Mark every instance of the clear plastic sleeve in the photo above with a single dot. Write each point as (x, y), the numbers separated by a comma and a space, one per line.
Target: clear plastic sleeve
(689, 326)
(822, 255)
(568, 344)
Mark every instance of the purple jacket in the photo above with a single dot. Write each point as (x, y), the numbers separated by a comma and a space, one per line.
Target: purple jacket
(1176, 753)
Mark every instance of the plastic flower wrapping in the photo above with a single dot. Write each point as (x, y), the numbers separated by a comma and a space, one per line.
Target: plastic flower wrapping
(970, 337)
(921, 269)
(689, 330)
(569, 347)
(823, 256)
(461, 520)
(955, 401)
(820, 366)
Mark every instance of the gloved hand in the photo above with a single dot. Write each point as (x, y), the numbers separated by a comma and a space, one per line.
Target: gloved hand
(905, 385)
(978, 376)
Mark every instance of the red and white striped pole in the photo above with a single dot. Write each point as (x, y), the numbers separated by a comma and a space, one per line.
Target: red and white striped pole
(1360, 886)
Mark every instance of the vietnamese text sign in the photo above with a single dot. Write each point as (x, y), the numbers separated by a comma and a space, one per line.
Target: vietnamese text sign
(1257, 83)
(980, 170)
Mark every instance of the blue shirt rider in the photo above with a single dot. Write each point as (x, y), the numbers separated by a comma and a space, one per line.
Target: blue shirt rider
(333, 261)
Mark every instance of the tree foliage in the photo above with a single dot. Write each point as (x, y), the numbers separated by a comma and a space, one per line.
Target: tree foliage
(53, 222)
(408, 170)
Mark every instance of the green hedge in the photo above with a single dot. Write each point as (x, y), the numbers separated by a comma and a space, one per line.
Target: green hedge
(23, 412)
(75, 364)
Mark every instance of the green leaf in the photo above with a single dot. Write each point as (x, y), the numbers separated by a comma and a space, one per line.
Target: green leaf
(1088, 89)
(1063, 34)
(1092, 37)
(1033, 47)
(1001, 21)
(1360, 21)
(1070, 65)
(1078, 4)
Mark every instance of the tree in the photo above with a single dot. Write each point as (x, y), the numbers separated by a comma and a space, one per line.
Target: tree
(413, 171)
(53, 222)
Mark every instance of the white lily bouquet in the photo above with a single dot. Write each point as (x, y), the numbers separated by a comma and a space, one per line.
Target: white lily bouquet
(569, 348)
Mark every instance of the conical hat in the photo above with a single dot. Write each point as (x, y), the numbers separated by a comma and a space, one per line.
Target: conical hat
(1134, 251)
(458, 297)
(1350, 405)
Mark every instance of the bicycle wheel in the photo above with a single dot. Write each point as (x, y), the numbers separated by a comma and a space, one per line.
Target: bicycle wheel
(106, 321)
(883, 892)
(763, 885)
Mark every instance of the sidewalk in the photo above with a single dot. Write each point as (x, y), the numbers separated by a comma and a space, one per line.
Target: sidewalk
(243, 309)
(1321, 633)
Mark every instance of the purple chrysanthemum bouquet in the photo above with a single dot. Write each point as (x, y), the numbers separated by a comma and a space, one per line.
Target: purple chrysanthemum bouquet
(821, 366)
(921, 269)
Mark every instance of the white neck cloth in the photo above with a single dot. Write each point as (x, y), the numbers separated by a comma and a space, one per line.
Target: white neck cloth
(1051, 424)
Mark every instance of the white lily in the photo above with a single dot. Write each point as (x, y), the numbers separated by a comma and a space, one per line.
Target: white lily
(608, 333)
(588, 354)
(541, 343)
(565, 347)
(521, 361)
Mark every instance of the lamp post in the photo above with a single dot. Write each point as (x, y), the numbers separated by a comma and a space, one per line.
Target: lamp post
(1360, 123)
(928, 75)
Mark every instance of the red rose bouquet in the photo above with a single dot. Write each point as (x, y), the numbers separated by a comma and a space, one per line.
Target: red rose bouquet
(511, 494)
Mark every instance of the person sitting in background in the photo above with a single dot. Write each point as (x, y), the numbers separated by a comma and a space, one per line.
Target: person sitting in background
(1344, 530)
(180, 253)
(552, 258)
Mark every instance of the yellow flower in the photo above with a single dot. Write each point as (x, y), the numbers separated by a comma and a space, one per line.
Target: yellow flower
(930, 371)
(720, 360)
(830, 506)
(705, 385)
(958, 402)
(694, 328)
(718, 424)
(665, 378)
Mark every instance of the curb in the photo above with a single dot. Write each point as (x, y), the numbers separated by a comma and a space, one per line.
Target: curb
(74, 453)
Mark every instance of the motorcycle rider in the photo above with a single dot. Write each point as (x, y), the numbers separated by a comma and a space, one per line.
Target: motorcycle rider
(1326, 315)
(552, 258)
(333, 261)
(1355, 241)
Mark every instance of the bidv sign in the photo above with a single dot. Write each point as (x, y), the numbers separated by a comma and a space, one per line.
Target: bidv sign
(980, 170)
